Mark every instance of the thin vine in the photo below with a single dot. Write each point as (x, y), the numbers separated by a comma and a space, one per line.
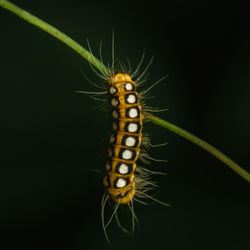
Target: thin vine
(100, 66)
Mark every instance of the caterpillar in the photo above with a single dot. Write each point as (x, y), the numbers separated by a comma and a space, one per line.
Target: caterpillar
(125, 140)
(124, 181)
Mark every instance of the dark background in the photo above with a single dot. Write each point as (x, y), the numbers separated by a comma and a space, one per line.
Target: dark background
(52, 139)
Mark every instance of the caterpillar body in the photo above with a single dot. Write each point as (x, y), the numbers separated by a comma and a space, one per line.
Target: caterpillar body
(125, 140)
(125, 182)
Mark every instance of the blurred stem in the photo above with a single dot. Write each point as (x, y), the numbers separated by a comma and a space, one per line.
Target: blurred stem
(100, 66)
(54, 32)
(209, 148)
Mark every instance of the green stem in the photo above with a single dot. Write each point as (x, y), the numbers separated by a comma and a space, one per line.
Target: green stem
(209, 148)
(100, 66)
(54, 32)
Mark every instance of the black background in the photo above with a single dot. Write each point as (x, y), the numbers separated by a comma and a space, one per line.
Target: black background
(52, 138)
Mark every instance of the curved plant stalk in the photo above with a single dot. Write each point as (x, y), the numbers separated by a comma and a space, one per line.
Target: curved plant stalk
(100, 66)
(209, 148)
(54, 32)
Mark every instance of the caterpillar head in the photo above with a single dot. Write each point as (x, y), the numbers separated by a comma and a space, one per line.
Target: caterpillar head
(120, 77)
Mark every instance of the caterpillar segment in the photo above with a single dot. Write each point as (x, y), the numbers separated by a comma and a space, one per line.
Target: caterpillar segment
(125, 140)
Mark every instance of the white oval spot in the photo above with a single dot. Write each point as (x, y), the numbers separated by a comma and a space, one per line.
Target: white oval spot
(128, 86)
(131, 98)
(123, 169)
(105, 181)
(133, 112)
(112, 90)
(115, 127)
(112, 139)
(130, 141)
(114, 102)
(108, 166)
(121, 183)
(132, 127)
(110, 152)
(115, 114)
(127, 154)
